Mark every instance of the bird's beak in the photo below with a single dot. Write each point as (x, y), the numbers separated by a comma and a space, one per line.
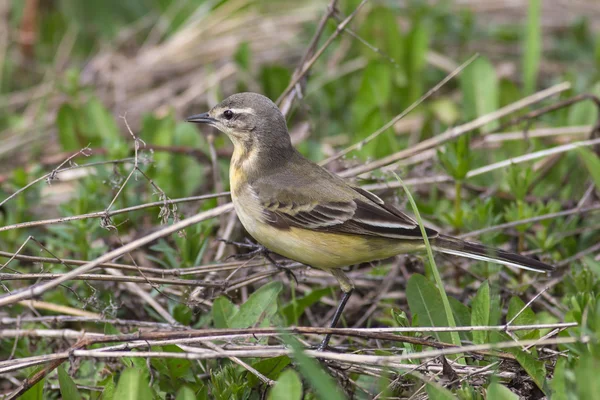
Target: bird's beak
(203, 118)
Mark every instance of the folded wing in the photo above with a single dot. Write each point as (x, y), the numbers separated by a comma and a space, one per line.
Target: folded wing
(362, 214)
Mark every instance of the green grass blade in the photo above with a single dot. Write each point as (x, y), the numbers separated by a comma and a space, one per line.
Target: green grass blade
(322, 383)
(532, 49)
(438, 280)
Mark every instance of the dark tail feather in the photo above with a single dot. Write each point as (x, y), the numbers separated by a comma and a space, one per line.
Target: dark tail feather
(450, 245)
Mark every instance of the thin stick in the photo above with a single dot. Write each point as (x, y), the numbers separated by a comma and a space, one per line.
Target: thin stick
(398, 117)
(52, 174)
(285, 103)
(101, 214)
(458, 131)
(308, 65)
(37, 290)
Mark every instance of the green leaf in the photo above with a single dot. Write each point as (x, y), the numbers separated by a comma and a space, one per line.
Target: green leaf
(183, 314)
(185, 393)
(481, 90)
(374, 91)
(532, 46)
(558, 383)
(177, 367)
(102, 124)
(274, 79)
(586, 376)
(498, 392)
(424, 300)
(480, 312)
(269, 367)
(259, 308)
(534, 367)
(133, 385)
(294, 309)
(68, 389)
(526, 317)
(592, 163)
(35, 393)
(66, 120)
(438, 392)
(243, 55)
(584, 112)
(323, 384)
(462, 317)
(223, 310)
(108, 388)
(417, 43)
(287, 387)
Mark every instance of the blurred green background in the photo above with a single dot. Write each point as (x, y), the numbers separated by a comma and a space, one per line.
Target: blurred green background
(73, 72)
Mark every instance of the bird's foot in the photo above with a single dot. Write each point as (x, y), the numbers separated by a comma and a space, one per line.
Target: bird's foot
(256, 249)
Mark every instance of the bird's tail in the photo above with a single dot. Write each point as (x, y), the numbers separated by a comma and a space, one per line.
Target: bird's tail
(450, 245)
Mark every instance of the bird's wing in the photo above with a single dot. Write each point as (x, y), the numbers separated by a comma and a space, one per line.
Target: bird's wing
(338, 208)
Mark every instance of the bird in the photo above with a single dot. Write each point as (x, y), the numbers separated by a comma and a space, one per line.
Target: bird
(300, 210)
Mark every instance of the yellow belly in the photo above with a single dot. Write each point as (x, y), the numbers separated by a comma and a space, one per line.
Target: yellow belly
(314, 248)
(329, 250)
(322, 250)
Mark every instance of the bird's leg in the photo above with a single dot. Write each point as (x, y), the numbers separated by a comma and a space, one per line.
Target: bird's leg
(347, 287)
(257, 249)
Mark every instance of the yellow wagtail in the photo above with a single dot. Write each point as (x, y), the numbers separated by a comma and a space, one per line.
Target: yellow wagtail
(300, 210)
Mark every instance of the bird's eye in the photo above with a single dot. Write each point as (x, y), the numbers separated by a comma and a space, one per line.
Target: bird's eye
(228, 114)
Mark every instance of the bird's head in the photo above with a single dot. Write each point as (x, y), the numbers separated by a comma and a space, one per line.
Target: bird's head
(249, 119)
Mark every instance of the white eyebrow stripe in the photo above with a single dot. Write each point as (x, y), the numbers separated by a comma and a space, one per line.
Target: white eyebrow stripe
(247, 110)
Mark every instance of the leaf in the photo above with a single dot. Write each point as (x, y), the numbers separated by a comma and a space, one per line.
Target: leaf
(259, 308)
(66, 120)
(68, 389)
(498, 392)
(287, 387)
(534, 367)
(374, 91)
(532, 47)
(526, 317)
(270, 367)
(424, 300)
(223, 310)
(558, 383)
(243, 56)
(584, 112)
(480, 312)
(586, 376)
(323, 384)
(102, 124)
(182, 314)
(133, 385)
(480, 89)
(592, 163)
(438, 392)
(462, 316)
(108, 388)
(177, 367)
(417, 43)
(274, 80)
(294, 309)
(35, 393)
(185, 393)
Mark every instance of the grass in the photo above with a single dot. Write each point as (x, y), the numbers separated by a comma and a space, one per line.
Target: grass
(114, 285)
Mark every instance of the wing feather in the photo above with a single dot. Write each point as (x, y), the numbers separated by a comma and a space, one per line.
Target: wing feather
(365, 214)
